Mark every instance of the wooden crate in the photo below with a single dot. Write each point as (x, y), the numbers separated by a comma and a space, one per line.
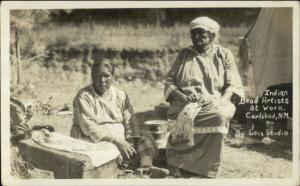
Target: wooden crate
(64, 165)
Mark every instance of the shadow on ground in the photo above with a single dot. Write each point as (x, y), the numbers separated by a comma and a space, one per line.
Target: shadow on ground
(280, 148)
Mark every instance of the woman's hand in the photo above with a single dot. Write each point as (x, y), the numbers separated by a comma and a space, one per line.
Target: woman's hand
(179, 96)
(125, 147)
(133, 141)
(192, 98)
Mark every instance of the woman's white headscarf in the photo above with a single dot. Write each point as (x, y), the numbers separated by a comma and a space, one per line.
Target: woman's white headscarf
(206, 23)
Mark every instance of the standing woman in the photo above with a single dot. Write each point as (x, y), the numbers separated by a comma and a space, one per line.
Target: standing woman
(199, 87)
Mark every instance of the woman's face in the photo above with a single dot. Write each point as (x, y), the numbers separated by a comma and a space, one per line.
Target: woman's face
(201, 38)
(102, 78)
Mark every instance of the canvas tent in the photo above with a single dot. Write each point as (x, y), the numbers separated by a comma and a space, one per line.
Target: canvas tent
(270, 44)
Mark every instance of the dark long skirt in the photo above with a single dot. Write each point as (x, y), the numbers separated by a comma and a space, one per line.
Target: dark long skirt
(205, 156)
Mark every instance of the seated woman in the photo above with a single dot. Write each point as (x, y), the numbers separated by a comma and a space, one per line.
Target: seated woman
(199, 87)
(103, 113)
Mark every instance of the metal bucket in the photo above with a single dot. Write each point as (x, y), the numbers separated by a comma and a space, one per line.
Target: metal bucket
(157, 128)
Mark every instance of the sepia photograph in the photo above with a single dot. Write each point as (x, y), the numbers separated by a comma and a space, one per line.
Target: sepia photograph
(141, 93)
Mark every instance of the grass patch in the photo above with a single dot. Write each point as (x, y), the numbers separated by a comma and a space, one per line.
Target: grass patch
(119, 37)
